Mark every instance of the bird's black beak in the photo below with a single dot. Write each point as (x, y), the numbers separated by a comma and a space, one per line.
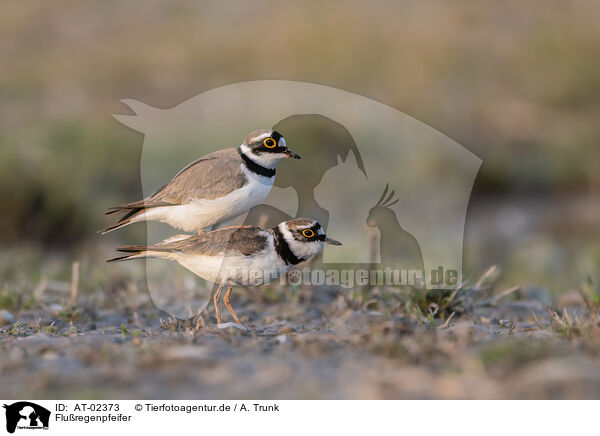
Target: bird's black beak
(332, 241)
(290, 153)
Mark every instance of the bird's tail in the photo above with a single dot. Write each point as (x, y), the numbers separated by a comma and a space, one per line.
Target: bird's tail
(128, 257)
(127, 219)
(139, 252)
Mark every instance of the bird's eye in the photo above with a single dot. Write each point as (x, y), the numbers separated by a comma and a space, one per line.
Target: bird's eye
(269, 142)
(308, 233)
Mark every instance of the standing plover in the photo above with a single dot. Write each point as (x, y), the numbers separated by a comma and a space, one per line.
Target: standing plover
(214, 189)
(240, 256)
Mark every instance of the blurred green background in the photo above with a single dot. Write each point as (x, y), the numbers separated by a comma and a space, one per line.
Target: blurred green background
(517, 83)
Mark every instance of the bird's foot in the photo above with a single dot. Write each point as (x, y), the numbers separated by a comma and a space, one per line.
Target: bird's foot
(232, 324)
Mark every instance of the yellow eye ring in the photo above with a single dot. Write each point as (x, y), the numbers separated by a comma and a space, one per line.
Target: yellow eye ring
(269, 143)
(308, 233)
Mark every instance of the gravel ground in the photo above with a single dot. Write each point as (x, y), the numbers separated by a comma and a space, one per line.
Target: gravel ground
(327, 345)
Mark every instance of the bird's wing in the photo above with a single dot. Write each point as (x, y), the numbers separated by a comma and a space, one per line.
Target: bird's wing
(243, 240)
(209, 177)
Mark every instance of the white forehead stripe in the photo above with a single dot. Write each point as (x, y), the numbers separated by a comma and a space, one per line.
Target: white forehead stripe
(308, 226)
(262, 136)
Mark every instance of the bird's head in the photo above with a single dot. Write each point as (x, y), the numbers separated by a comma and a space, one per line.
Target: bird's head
(266, 148)
(304, 237)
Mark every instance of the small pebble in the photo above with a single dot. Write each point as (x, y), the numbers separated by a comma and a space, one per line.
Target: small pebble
(186, 352)
(231, 324)
(54, 310)
(282, 339)
(6, 317)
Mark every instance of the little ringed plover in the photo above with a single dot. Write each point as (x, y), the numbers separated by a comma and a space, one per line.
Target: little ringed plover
(213, 189)
(240, 256)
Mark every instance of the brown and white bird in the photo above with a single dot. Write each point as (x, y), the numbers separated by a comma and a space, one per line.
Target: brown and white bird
(240, 256)
(214, 189)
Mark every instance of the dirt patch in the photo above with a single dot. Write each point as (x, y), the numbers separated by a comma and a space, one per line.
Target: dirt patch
(385, 343)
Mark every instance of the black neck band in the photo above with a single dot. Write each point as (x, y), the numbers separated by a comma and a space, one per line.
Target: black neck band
(256, 168)
(283, 249)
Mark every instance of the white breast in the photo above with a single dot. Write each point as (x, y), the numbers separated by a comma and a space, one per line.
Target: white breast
(256, 269)
(198, 214)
